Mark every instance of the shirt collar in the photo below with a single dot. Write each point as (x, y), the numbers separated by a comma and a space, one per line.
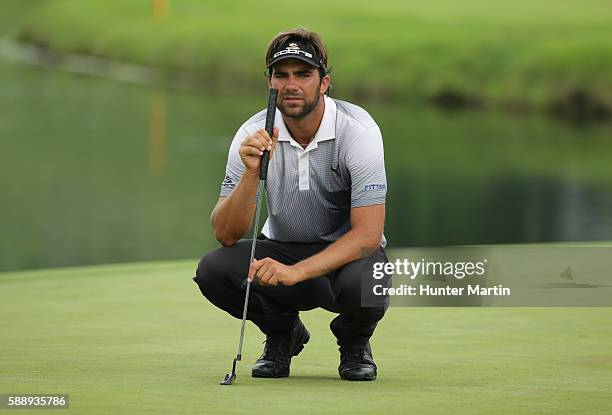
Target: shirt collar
(326, 131)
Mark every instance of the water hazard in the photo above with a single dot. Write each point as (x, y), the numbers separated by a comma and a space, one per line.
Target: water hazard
(95, 171)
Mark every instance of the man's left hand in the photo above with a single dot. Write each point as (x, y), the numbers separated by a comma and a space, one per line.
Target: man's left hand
(272, 272)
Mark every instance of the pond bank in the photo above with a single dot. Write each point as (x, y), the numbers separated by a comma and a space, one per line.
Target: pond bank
(519, 57)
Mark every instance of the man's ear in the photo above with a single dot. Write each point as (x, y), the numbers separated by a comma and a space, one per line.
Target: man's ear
(324, 84)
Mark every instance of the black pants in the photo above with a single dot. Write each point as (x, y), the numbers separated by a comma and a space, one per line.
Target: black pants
(221, 276)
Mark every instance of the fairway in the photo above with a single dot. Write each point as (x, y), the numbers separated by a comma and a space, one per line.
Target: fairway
(524, 52)
(137, 338)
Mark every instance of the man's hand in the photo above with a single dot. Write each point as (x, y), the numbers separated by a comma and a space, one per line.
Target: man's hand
(271, 272)
(253, 146)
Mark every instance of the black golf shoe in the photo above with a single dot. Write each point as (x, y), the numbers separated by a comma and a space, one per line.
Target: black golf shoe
(278, 351)
(356, 363)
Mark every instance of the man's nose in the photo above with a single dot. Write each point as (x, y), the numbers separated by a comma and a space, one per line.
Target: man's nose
(291, 83)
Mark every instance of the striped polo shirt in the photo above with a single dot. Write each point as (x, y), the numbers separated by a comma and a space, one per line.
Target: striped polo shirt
(311, 191)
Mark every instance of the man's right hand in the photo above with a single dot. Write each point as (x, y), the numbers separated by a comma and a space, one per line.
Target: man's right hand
(253, 146)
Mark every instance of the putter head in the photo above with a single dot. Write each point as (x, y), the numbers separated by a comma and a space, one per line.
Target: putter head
(230, 377)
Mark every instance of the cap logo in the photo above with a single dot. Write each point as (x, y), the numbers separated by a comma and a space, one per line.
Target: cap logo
(293, 49)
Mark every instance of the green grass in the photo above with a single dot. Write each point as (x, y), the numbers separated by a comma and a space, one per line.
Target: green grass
(526, 52)
(139, 338)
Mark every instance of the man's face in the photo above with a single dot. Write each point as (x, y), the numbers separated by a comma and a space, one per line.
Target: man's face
(299, 87)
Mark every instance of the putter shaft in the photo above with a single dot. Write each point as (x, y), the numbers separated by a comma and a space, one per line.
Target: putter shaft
(263, 174)
(248, 287)
(229, 378)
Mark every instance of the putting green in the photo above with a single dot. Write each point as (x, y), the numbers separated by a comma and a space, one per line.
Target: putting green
(140, 338)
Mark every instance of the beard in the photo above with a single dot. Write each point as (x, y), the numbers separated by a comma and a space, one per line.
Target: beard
(298, 109)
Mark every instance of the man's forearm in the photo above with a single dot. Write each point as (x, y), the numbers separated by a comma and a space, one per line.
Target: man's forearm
(348, 248)
(233, 217)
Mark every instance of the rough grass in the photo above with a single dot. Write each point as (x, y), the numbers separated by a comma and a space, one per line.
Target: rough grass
(522, 53)
(140, 338)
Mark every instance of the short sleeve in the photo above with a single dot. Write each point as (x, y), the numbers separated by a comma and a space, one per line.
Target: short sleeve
(234, 167)
(366, 164)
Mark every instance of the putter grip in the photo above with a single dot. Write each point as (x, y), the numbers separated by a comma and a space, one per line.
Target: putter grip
(270, 113)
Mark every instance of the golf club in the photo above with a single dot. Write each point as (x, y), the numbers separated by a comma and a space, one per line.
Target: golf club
(263, 174)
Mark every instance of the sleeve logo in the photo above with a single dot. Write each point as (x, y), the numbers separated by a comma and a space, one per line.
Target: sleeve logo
(373, 187)
(228, 182)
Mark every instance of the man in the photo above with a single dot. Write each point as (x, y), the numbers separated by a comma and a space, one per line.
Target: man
(326, 191)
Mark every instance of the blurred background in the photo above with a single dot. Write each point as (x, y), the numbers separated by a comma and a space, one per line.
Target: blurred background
(116, 118)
